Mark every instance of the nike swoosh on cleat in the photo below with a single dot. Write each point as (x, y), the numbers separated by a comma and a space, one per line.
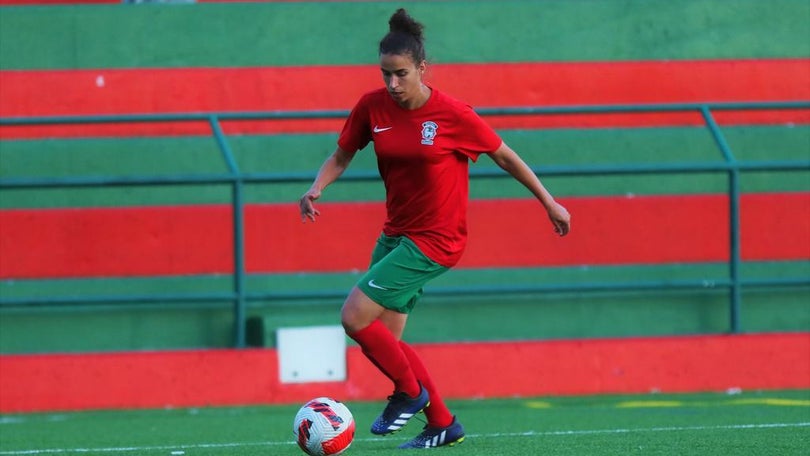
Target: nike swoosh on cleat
(380, 130)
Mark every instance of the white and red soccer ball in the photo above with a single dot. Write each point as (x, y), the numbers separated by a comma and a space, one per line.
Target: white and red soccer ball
(323, 426)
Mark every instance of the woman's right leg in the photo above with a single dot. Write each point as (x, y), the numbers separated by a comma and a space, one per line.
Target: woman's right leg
(370, 325)
(365, 322)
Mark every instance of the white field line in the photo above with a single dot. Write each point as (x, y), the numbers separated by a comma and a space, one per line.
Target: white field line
(179, 449)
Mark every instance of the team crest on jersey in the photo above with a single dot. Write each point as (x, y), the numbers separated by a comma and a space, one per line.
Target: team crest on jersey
(429, 132)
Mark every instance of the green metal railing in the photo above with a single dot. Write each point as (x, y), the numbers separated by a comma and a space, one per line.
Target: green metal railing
(237, 179)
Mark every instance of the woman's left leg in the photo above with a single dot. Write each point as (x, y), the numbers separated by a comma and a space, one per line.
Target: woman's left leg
(437, 413)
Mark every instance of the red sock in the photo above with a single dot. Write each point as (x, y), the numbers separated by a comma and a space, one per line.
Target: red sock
(437, 412)
(382, 348)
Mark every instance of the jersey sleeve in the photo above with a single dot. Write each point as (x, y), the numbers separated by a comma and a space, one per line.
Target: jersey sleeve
(356, 133)
(475, 136)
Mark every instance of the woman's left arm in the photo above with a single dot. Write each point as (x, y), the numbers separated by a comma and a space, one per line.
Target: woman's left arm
(511, 162)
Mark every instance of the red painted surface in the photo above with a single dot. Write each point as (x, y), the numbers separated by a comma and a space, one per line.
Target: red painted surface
(115, 242)
(30, 383)
(169, 240)
(144, 91)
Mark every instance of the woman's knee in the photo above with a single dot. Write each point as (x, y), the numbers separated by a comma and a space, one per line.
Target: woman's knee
(358, 311)
(350, 321)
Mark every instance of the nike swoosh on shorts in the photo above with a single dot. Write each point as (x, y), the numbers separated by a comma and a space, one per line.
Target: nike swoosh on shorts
(374, 285)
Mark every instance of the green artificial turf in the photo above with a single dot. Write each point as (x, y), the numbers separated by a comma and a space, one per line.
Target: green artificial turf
(747, 423)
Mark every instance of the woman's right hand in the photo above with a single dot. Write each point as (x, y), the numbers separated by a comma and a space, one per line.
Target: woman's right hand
(305, 204)
(331, 169)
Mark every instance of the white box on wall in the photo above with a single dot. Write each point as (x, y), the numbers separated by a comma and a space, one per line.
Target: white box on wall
(311, 354)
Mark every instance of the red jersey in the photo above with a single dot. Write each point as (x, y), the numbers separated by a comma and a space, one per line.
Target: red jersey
(423, 157)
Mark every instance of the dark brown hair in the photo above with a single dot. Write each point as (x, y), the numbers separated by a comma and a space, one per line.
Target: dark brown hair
(404, 37)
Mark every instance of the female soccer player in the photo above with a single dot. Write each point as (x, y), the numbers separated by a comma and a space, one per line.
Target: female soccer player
(424, 141)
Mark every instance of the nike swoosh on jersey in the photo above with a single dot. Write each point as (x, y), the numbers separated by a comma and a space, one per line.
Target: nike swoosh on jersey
(380, 130)
(374, 285)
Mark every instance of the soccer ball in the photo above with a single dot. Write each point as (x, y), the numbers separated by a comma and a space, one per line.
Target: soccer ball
(323, 426)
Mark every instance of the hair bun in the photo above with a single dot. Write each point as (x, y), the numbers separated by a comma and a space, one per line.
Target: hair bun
(404, 37)
(401, 21)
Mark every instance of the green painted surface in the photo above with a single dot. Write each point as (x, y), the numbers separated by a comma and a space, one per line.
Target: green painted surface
(341, 282)
(437, 319)
(305, 153)
(112, 328)
(110, 156)
(259, 34)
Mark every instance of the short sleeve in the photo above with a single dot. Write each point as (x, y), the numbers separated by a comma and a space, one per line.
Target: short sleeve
(356, 133)
(475, 136)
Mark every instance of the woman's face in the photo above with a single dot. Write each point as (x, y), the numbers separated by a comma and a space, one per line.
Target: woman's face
(403, 77)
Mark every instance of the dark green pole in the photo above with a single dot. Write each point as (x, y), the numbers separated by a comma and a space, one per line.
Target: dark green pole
(238, 234)
(735, 257)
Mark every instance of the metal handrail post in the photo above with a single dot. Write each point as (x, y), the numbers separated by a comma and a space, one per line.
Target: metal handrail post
(735, 254)
(238, 207)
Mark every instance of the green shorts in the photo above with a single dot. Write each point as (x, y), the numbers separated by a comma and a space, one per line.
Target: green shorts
(397, 273)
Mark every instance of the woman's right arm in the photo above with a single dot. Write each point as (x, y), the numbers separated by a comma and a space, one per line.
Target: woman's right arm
(331, 169)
